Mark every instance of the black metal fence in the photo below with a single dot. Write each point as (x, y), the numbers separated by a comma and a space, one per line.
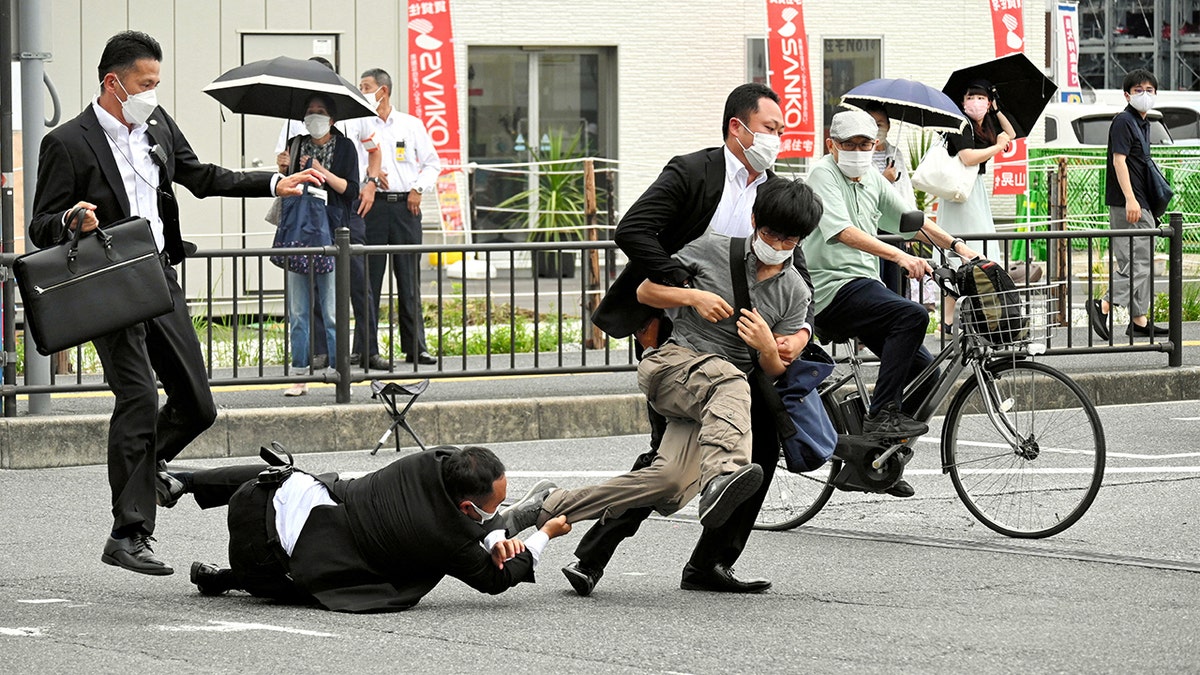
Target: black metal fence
(514, 319)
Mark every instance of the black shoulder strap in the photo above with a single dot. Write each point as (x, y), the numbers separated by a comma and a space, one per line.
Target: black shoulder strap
(741, 290)
(294, 153)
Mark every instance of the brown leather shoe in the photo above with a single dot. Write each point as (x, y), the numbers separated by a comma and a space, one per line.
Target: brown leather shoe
(719, 579)
(134, 554)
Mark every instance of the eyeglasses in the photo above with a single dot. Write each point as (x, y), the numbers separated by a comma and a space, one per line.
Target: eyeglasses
(851, 146)
(770, 236)
(1142, 90)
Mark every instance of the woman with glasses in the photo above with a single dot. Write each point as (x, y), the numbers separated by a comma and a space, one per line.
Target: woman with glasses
(987, 134)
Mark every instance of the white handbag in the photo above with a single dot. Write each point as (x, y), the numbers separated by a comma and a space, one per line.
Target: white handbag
(944, 176)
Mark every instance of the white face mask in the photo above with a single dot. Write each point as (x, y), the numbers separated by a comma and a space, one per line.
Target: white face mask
(762, 153)
(317, 125)
(375, 98)
(855, 163)
(767, 254)
(484, 515)
(1142, 101)
(136, 108)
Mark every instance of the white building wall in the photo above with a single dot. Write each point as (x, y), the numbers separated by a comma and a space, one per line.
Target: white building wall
(676, 60)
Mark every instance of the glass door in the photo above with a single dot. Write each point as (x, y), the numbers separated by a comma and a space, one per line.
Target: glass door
(528, 104)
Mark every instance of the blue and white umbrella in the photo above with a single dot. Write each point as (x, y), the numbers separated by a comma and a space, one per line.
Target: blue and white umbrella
(908, 101)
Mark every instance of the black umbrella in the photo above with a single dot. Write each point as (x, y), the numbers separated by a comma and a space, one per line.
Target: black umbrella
(280, 87)
(1019, 86)
(907, 101)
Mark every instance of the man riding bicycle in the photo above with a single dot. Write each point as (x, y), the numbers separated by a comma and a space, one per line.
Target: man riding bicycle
(851, 301)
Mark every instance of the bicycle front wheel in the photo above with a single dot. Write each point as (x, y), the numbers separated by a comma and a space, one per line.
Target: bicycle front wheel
(794, 498)
(1044, 480)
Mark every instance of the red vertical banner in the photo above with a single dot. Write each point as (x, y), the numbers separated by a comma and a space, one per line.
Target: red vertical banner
(1009, 174)
(788, 73)
(432, 79)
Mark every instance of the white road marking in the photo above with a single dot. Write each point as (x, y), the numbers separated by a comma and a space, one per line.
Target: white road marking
(1072, 451)
(1185, 419)
(45, 601)
(21, 632)
(236, 627)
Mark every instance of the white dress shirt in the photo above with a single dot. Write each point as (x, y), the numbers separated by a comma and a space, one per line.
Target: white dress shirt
(732, 217)
(139, 173)
(294, 501)
(409, 159)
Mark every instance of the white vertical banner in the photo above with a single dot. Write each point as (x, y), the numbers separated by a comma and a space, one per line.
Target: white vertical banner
(1066, 52)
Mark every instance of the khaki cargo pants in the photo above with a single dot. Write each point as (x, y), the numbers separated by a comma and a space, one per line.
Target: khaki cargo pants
(706, 401)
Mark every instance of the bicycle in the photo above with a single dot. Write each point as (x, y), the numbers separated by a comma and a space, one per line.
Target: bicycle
(1021, 441)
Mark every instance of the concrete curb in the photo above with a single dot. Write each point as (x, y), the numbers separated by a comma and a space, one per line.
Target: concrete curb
(57, 441)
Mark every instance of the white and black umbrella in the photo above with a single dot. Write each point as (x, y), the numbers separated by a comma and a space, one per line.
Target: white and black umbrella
(280, 87)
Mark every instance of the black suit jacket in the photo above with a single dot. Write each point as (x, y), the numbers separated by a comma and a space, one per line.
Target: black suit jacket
(75, 164)
(676, 209)
(394, 534)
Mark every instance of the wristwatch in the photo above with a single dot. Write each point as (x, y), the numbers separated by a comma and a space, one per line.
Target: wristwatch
(420, 189)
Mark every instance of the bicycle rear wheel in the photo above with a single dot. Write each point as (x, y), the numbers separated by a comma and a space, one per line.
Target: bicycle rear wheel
(1047, 481)
(794, 498)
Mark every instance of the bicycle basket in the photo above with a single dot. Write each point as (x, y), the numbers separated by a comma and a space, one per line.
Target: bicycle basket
(1010, 318)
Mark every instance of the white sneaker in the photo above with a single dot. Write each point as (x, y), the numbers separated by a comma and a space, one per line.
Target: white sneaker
(298, 389)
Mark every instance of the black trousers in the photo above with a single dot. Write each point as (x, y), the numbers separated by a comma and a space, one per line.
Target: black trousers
(139, 432)
(717, 545)
(366, 310)
(257, 561)
(891, 326)
(390, 222)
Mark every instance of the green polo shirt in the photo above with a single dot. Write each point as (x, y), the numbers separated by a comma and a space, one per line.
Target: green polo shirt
(869, 204)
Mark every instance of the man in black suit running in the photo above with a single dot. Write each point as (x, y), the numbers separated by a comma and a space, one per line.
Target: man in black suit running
(119, 158)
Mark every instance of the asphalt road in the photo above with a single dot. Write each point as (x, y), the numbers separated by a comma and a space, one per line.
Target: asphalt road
(874, 584)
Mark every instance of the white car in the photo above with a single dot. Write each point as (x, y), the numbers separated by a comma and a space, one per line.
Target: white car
(1180, 111)
(1081, 125)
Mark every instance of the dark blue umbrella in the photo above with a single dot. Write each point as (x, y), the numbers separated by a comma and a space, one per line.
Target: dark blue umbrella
(908, 101)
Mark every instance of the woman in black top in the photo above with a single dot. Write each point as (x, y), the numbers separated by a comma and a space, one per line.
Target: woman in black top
(986, 135)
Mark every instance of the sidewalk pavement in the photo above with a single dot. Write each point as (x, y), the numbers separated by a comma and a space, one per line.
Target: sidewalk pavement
(488, 409)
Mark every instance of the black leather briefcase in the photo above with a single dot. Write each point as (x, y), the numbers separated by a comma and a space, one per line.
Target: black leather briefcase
(94, 284)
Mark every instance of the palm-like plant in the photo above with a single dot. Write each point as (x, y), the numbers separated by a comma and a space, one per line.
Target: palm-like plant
(558, 194)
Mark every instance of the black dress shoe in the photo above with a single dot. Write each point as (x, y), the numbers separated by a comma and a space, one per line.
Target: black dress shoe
(1097, 318)
(901, 489)
(719, 579)
(355, 359)
(583, 579)
(1149, 329)
(167, 488)
(134, 554)
(377, 362)
(210, 579)
(424, 358)
(320, 361)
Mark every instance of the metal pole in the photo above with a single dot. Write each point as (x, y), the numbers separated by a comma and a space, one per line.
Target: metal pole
(341, 313)
(1175, 292)
(31, 22)
(8, 345)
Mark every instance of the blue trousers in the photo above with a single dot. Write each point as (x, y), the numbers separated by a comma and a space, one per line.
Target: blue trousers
(301, 307)
(891, 326)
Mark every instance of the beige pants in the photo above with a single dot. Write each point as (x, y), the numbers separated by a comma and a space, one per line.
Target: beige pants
(706, 401)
